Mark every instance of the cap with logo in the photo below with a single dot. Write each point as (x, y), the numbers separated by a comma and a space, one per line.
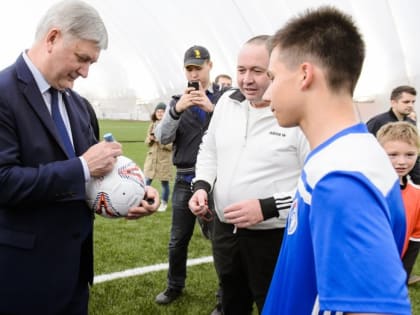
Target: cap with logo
(196, 56)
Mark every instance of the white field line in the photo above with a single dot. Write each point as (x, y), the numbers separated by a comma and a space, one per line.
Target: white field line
(147, 269)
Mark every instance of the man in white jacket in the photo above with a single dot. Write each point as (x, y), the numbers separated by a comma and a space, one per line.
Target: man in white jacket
(252, 166)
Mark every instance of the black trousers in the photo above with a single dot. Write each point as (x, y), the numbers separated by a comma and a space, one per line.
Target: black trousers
(410, 257)
(245, 263)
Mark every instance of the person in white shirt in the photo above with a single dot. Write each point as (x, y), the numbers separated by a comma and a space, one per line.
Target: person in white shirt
(252, 165)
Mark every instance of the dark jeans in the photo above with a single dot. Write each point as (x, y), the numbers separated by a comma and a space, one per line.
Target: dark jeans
(245, 263)
(410, 257)
(183, 221)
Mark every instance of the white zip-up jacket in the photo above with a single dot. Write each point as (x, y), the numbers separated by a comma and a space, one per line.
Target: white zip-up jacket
(245, 154)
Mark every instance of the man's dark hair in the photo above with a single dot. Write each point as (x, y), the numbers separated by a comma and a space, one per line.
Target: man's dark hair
(226, 76)
(398, 91)
(328, 37)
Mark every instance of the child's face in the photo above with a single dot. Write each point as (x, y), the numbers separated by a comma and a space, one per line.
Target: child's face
(403, 156)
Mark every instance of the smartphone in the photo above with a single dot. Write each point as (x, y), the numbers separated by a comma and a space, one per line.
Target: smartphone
(194, 84)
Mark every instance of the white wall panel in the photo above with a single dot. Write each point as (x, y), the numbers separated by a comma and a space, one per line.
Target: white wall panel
(148, 39)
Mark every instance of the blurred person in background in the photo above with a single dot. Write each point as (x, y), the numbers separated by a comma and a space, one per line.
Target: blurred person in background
(223, 81)
(158, 164)
(403, 99)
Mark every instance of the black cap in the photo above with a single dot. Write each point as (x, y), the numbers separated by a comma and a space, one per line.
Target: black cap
(196, 56)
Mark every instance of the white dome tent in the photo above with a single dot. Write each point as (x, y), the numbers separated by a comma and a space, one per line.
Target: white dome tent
(143, 64)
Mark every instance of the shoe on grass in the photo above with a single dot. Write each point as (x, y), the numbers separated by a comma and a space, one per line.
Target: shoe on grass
(217, 310)
(167, 296)
(413, 279)
(163, 206)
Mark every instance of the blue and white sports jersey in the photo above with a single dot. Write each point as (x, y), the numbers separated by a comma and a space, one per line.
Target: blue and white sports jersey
(345, 232)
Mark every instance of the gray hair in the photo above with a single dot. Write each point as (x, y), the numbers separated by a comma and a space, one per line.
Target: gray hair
(74, 18)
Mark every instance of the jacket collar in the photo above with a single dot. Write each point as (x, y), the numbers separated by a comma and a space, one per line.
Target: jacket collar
(34, 98)
(237, 96)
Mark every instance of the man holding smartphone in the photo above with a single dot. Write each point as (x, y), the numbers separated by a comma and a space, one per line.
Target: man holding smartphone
(184, 124)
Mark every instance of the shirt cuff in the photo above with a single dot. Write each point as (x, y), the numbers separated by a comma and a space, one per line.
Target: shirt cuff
(85, 169)
(200, 184)
(174, 114)
(268, 208)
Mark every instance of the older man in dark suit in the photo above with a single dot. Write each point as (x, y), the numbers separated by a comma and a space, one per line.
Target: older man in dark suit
(46, 259)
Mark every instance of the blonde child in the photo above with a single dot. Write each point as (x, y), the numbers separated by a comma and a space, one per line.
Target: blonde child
(401, 142)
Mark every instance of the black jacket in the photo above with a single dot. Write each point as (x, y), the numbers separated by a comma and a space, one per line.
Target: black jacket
(190, 131)
(378, 121)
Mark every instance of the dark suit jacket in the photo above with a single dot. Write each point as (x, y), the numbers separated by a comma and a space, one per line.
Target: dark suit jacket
(93, 118)
(45, 224)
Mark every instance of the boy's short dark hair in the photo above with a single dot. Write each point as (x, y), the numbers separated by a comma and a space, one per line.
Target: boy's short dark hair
(328, 37)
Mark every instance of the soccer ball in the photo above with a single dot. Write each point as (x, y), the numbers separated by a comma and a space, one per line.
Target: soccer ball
(113, 194)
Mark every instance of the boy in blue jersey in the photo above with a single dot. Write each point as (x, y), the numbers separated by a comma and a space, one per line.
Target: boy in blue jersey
(346, 227)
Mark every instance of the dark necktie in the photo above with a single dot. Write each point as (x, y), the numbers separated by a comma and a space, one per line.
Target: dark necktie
(59, 123)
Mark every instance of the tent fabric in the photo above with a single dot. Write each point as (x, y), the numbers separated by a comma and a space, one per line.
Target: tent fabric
(148, 40)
